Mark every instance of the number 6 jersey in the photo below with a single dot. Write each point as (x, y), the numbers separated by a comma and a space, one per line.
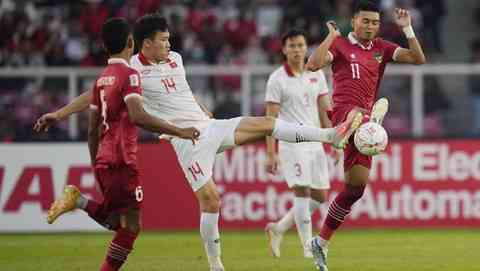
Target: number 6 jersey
(118, 140)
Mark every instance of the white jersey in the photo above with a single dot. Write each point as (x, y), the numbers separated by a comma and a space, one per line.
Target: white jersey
(296, 95)
(166, 93)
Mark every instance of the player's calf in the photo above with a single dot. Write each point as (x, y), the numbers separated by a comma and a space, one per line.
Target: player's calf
(122, 243)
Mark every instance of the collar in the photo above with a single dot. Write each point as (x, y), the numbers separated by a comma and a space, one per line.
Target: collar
(117, 60)
(353, 40)
(144, 60)
(288, 69)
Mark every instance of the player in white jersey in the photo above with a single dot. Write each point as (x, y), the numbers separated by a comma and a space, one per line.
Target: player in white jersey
(299, 96)
(168, 96)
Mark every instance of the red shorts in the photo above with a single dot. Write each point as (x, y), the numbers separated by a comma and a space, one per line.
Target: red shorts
(351, 156)
(121, 188)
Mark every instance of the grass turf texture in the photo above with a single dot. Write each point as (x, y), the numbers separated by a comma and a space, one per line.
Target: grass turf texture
(393, 250)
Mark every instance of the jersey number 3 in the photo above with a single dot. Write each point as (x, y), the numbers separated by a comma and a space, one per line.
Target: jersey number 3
(355, 70)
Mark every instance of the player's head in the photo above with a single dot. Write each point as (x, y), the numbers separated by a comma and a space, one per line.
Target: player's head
(151, 34)
(117, 36)
(366, 20)
(294, 45)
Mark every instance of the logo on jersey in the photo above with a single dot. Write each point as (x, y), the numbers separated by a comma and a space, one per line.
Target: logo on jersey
(378, 57)
(145, 72)
(352, 56)
(134, 81)
(173, 65)
(313, 80)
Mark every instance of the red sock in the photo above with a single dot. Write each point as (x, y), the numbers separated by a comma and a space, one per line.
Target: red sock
(120, 247)
(107, 267)
(339, 209)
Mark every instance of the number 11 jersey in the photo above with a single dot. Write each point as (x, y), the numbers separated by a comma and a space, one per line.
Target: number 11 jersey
(358, 69)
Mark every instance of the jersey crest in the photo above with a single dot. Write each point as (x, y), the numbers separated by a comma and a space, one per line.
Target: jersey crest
(378, 57)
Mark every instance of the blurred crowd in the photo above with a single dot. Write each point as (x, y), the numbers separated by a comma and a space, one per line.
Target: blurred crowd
(228, 32)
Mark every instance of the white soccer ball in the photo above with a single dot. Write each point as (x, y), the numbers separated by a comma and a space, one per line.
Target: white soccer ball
(371, 138)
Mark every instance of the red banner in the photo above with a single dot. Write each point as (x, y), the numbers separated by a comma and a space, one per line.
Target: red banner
(413, 184)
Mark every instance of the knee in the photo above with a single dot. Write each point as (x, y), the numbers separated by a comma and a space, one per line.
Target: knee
(210, 203)
(319, 195)
(131, 221)
(354, 193)
(302, 191)
(268, 124)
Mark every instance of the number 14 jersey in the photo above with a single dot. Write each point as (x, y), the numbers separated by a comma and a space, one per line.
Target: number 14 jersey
(167, 94)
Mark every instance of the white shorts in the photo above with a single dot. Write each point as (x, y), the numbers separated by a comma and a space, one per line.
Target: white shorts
(197, 160)
(304, 166)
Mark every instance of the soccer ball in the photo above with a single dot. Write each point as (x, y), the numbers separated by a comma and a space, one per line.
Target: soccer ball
(371, 138)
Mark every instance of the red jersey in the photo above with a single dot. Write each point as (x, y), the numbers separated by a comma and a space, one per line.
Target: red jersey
(118, 140)
(358, 70)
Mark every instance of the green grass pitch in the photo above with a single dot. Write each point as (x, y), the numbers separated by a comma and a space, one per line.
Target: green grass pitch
(369, 250)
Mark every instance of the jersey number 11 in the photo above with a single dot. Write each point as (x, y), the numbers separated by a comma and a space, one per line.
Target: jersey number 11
(355, 70)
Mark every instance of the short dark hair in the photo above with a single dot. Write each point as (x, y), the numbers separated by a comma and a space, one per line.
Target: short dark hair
(147, 26)
(115, 32)
(366, 5)
(293, 33)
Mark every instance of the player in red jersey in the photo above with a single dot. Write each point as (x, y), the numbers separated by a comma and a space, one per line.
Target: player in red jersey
(112, 140)
(358, 62)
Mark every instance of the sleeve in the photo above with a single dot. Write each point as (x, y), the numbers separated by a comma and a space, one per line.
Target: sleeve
(274, 90)
(334, 50)
(322, 86)
(95, 102)
(389, 50)
(132, 85)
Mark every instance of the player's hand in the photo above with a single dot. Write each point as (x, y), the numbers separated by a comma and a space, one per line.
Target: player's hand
(45, 122)
(336, 155)
(189, 133)
(271, 164)
(402, 17)
(333, 29)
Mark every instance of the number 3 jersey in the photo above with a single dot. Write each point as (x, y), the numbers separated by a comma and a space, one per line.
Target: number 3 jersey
(118, 140)
(358, 69)
(166, 92)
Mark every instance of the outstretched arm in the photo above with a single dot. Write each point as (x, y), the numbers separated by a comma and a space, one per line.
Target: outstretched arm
(320, 57)
(78, 104)
(414, 54)
(142, 119)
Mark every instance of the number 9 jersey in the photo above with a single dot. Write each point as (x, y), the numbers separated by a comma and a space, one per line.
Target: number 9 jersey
(118, 141)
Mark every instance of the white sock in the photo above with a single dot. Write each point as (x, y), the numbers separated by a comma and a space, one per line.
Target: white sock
(81, 202)
(323, 243)
(285, 223)
(314, 205)
(295, 133)
(302, 218)
(210, 235)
